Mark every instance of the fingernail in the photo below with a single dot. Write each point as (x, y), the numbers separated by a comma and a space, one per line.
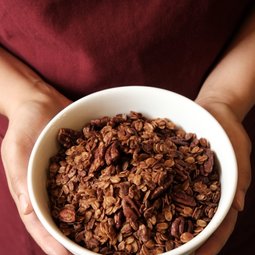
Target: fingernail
(240, 205)
(240, 201)
(23, 203)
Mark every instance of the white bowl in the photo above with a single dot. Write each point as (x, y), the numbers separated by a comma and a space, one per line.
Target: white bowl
(152, 102)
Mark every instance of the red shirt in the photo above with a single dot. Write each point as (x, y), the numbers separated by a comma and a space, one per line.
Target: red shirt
(84, 46)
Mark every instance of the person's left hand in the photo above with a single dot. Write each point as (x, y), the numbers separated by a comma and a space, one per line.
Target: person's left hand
(242, 147)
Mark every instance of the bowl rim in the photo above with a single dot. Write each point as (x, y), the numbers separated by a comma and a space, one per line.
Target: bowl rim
(71, 245)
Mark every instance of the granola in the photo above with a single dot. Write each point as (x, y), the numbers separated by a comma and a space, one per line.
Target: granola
(132, 185)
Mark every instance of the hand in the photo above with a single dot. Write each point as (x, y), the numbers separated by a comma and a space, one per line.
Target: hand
(242, 147)
(25, 124)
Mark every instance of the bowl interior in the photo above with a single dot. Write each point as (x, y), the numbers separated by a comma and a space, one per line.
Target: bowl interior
(152, 102)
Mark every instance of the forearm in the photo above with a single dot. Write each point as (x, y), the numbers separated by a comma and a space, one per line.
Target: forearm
(232, 81)
(18, 83)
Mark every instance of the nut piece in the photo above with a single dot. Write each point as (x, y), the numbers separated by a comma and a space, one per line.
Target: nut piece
(67, 215)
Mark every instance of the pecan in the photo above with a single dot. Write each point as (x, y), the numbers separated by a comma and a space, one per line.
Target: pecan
(118, 219)
(179, 141)
(177, 227)
(130, 209)
(160, 190)
(183, 198)
(67, 215)
(98, 158)
(67, 137)
(208, 166)
(123, 188)
(112, 153)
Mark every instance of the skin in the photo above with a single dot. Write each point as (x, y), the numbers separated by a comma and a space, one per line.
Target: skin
(228, 93)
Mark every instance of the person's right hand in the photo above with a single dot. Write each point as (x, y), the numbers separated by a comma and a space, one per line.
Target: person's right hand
(26, 121)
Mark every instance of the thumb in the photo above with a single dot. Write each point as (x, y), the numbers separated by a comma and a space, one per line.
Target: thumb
(18, 187)
(15, 165)
(24, 204)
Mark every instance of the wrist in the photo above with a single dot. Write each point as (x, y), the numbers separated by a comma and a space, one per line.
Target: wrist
(217, 107)
(237, 101)
(20, 84)
(25, 91)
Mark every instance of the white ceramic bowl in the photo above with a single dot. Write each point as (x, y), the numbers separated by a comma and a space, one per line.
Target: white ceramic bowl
(152, 102)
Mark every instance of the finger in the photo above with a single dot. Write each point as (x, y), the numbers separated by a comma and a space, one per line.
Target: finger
(216, 242)
(16, 175)
(18, 187)
(242, 145)
(244, 178)
(41, 236)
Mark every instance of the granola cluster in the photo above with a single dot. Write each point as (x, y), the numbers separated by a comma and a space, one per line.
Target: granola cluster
(132, 185)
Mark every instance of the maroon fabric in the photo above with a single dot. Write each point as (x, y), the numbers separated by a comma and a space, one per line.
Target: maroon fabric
(84, 46)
